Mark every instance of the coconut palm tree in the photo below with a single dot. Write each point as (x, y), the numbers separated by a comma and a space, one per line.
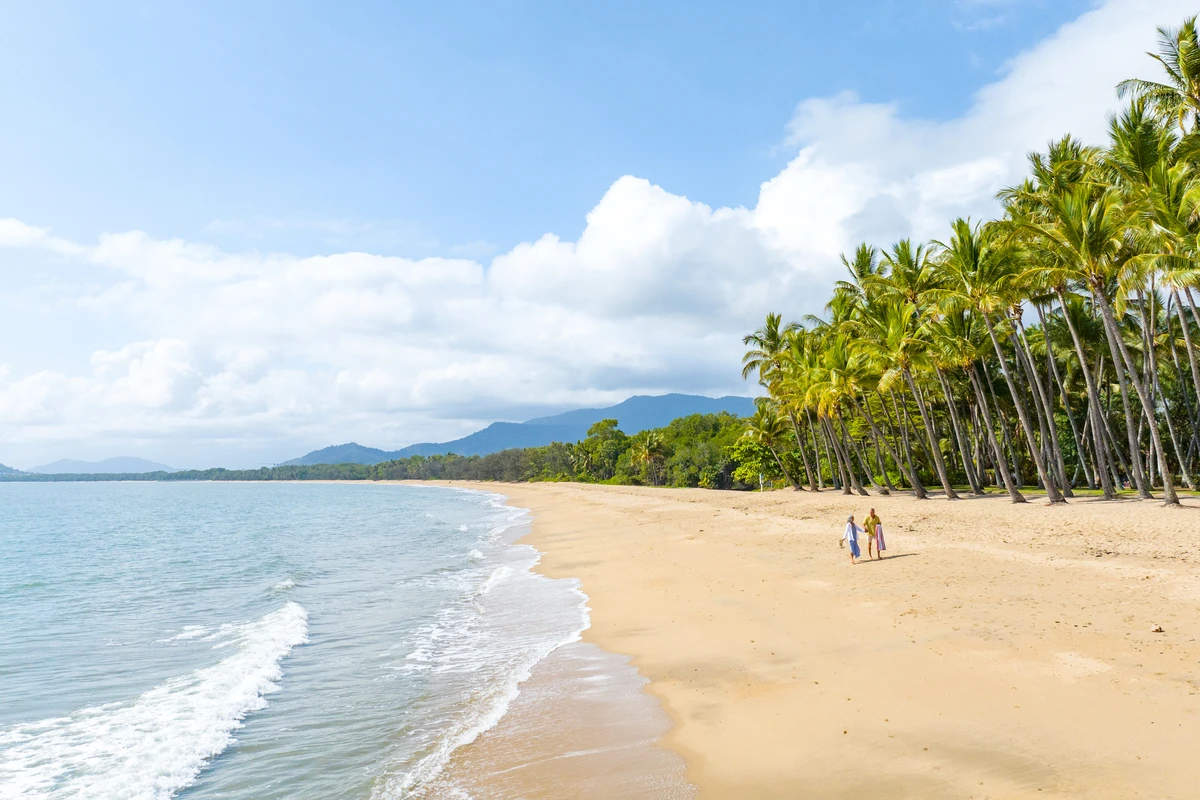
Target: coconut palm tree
(1178, 98)
(769, 346)
(890, 333)
(979, 274)
(1102, 244)
(647, 451)
(768, 429)
(1083, 237)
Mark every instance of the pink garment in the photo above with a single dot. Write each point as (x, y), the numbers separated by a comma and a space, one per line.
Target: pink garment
(879, 538)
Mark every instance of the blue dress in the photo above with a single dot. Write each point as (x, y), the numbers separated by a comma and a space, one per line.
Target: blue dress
(851, 538)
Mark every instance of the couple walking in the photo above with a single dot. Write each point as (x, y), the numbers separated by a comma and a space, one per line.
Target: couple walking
(874, 530)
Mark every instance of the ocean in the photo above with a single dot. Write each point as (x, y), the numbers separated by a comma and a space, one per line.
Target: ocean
(299, 640)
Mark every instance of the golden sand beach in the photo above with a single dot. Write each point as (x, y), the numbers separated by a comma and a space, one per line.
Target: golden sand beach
(999, 651)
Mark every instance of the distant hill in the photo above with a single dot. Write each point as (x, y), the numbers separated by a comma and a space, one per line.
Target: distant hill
(349, 453)
(119, 464)
(496, 437)
(642, 412)
(633, 415)
(4, 470)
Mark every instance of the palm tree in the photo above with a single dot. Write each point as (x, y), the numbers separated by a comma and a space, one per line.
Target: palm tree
(1102, 243)
(1178, 99)
(979, 275)
(911, 275)
(891, 334)
(950, 348)
(768, 348)
(1083, 236)
(766, 428)
(647, 451)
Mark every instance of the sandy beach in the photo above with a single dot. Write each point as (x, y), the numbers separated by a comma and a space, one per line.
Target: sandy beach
(999, 651)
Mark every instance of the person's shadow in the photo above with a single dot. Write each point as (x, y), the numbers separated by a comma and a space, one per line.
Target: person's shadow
(889, 558)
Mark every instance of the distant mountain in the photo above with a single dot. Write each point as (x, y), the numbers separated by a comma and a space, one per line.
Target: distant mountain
(642, 412)
(349, 453)
(634, 415)
(4, 470)
(109, 466)
(496, 437)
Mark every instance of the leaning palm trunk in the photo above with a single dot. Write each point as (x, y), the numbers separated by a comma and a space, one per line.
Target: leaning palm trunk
(1006, 436)
(981, 456)
(816, 429)
(1187, 397)
(1035, 451)
(1002, 470)
(1156, 387)
(1052, 364)
(968, 467)
(887, 487)
(906, 441)
(935, 452)
(812, 432)
(831, 437)
(787, 475)
(800, 446)
(1110, 438)
(913, 480)
(1112, 335)
(910, 431)
(1191, 354)
(857, 451)
(1044, 407)
(1110, 324)
(1179, 454)
(894, 439)
(883, 470)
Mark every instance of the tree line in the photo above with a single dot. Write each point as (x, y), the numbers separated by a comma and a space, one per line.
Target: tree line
(701, 450)
(1052, 347)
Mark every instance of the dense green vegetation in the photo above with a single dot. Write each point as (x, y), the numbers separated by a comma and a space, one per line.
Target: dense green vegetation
(692, 451)
(1054, 346)
(706, 450)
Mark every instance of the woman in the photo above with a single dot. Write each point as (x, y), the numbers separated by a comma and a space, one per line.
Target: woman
(851, 536)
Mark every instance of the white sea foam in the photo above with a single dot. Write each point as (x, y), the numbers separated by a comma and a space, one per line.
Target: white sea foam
(187, 633)
(499, 574)
(151, 747)
(284, 585)
(475, 554)
(493, 656)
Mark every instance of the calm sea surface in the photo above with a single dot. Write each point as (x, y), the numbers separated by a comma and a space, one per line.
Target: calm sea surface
(213, 640)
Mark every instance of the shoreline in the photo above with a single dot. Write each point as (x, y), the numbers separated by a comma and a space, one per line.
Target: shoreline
(1001, 651)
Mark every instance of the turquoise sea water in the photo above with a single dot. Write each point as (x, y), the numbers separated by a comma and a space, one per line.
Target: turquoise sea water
(210, 640)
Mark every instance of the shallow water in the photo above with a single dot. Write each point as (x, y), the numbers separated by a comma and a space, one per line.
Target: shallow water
(209, 640)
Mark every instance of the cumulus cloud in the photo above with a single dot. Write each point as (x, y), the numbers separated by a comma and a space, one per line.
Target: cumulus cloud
(654, 295)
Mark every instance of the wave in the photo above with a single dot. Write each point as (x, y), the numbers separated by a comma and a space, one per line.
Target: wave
(497, 576)
(491, 655)
(151, 747)
(188, 633)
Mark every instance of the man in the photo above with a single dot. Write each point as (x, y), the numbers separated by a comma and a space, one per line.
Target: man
(874, 529)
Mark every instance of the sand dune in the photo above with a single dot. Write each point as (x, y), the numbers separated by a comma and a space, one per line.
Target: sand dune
(999, 652)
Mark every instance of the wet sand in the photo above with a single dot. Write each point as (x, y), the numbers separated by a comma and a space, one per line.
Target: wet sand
(999, 651)
(582, 727)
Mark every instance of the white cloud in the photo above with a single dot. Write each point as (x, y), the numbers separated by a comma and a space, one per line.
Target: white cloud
(654, 296)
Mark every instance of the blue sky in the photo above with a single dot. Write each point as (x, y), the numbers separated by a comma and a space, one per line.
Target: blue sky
(234, 232)
(419, 127)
